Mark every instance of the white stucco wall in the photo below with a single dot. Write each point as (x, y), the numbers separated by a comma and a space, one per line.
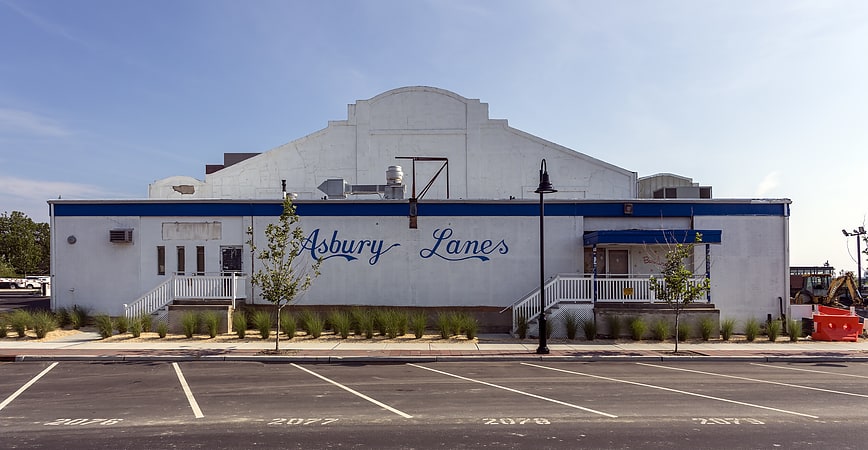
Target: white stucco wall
(487, 158)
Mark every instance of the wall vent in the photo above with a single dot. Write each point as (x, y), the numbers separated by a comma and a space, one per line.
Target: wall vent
(124, 235)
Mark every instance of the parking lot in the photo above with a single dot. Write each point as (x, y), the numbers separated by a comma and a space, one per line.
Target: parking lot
(450, 405)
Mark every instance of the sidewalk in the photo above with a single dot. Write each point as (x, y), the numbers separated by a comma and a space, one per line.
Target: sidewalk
(87, 346)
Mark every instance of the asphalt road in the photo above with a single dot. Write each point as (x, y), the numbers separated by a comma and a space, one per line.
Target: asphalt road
(433, 405)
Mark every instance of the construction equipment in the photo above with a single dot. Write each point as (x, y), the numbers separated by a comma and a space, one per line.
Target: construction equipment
(821, 288)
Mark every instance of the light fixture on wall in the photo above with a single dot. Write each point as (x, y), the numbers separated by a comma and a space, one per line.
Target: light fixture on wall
(545, 187)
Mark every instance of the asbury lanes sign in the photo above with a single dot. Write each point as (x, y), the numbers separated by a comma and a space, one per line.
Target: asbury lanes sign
(442, 246)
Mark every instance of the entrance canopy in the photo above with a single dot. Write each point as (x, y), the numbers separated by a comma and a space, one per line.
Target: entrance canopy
(650, 237)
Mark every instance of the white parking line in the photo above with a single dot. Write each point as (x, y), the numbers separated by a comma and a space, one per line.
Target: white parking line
(515, 391)
(756, 380)
(193, 404)
(26, 385)
(810, 370)
(354, 392)
(677, 391)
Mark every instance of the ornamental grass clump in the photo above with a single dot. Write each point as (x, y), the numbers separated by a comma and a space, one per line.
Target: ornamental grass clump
(727, 328)
(706, 327)
(162, 328)
(683, 331)
(122, 324)
(261, 321)
(365, 323)
(469, 325)
(794, 329)
(211, 321)
(104, 325)
(418, 323)
(20, 320)
(43, 322)
(288, 324)
(638, 327)
(341, 322)
(614, 324)
(660, 330)
(239, 323)
(589, 328)
(147, 322)
(312, 323)
(62, 315)
(444, 325)
(3, 324)
(571, 323)
(136, 326)
(79, 316)
(190, 324)
(773, 330)
(522, 326)
(751, 329)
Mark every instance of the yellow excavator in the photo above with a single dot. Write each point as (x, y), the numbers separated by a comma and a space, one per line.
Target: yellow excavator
(823, 289)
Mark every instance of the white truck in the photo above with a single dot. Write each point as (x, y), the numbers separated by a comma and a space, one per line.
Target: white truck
(20, 283)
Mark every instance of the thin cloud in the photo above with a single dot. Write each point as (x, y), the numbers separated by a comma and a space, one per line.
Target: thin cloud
(13, 121)
(41, 190)
(767, 185)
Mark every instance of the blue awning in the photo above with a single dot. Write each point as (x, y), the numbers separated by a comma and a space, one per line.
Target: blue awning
(650, 237)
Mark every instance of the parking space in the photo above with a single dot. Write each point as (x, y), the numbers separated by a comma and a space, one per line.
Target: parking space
(689, 399)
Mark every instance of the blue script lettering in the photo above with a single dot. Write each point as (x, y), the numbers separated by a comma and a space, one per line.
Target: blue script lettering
(344, 248)
(458, 250)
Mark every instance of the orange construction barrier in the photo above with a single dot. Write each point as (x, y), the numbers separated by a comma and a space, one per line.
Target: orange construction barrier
(835, 324)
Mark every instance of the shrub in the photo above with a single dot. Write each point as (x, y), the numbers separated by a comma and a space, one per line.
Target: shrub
(122, 324)
(660, 330)
(773, 330)
(43, 323)
(683, 331)
(79, 316)
(614, 324)
(727, 327)
(418, 323)
(638, 327)
(288, 324)
(136, 326)
(341, 323)
(751, 329)
(571, 321)
(313, 323)
(380, 321)
(162, 328)
(522, 326)
(794, 329)
(470, 325)
(364, 321)
(3, 324)
(147, 322)
(261, 320)
(20, 320)
(706, 327)
(190, 324)
(212, 323)
(444, 325)
(239, 323)
(62, 315)
(104, 325)
(589, 327)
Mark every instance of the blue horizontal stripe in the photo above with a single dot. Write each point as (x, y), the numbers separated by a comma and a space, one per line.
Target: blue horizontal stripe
(650, 237)
(156, 208)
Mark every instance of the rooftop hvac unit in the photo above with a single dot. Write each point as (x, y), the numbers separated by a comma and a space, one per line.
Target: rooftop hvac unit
(124, 235)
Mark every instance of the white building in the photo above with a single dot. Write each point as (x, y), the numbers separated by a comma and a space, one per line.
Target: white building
(472, 239)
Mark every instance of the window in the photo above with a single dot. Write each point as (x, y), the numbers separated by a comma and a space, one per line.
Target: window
(181, 257)
(161, 260)
(200, 260)
(230, 259)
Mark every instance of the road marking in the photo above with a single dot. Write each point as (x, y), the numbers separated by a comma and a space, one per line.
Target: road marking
(677, 391)
(354, 392)
(811, 370)
(756, 380)
(515, 391)
(24, 388)
(193, 404)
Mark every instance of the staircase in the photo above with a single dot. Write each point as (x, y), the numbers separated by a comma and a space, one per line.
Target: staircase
(178, 287)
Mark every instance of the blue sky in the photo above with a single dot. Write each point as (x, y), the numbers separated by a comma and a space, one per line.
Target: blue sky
(759, 99)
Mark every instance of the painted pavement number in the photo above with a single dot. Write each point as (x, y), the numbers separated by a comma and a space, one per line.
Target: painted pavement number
(302, 421)
(727, 421)
(83, 422)
(516, 421)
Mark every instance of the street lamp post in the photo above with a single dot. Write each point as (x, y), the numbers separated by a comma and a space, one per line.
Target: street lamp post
(858, 233)
(545, 187)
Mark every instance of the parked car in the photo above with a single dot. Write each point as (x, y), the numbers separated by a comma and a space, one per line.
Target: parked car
(20, 283)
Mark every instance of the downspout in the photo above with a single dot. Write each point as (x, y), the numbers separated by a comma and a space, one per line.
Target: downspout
(52, 248)
(708, 272)
(594, 276)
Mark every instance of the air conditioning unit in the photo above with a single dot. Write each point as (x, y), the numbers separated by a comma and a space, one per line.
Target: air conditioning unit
(123, 235)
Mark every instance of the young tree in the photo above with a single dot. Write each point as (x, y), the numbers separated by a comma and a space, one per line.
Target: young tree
(283, 274)
(677, 287)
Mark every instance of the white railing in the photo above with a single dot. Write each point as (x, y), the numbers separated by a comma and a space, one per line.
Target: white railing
(581, 288)
(197, 287)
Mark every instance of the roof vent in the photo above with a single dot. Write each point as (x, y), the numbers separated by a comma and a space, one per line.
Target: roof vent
(123, 235)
